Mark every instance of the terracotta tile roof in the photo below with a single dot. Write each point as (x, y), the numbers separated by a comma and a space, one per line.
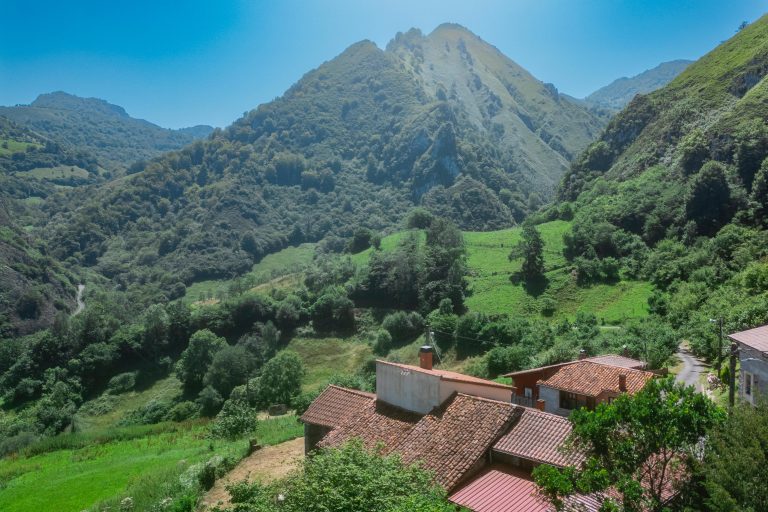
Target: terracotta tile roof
(608, 359)
(377, 422)
(449, 375)
(592, 379)
(539, 436)
(500, 489)
(448, 441)
(617, 360)
(454, 437)
(335, 405)
(756, 338)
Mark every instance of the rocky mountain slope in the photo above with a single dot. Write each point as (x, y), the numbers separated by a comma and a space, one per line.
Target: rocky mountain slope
(620, 92)
(444, 120)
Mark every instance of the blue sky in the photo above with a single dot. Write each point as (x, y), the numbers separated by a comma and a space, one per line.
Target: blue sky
(206, 62)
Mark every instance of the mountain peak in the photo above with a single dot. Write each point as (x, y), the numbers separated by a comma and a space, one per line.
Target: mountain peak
(65, 101)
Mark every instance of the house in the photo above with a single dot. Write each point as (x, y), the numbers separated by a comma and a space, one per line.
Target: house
(586, 382)
(753, 358)
(480, 447)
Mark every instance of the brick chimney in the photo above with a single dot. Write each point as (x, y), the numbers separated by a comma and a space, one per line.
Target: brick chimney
(425, 357)
(622, 382)
(540, 404)
(625, 351)
(582, 354)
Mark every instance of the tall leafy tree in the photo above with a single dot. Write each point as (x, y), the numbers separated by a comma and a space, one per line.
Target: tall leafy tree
(531, 248)
(640, 446)
(197, 357)
(708, 203)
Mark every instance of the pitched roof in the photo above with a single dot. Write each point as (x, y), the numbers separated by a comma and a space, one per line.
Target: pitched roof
(449, 375)
(448, 441)
(500, 489)
(617, 360)
(539, 437)
(451, 439)
(335, 405)
(607, 359)
(377, 422)
(756, 338)
(592, 379)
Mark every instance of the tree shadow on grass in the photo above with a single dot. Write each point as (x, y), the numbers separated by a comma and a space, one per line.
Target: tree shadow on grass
(534, 286)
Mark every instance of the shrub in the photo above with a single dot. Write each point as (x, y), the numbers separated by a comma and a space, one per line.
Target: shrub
(121, 383)
(183, 411)
(301, 402)
(210, 401)
(547, 305)
(382, 343)
(235, 419)
(14, 444)
(507, 359)
(153, 411)
(403, 326)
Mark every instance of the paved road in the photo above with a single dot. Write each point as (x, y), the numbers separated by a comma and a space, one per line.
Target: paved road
(692, 368)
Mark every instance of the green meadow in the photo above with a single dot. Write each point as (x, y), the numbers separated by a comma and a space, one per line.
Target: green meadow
(74, 472)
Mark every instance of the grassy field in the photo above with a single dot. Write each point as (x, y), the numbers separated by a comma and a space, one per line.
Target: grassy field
(120, 405)
(325, 357)
(274, 270)
(60, 172)
(76, 471)
(493, 293)
(8, 146)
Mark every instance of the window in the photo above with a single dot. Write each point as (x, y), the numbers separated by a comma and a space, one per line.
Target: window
(568, 400)
(528, 393)
(747, 383)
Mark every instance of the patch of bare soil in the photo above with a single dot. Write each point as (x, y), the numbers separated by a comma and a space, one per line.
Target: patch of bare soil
(265, 465)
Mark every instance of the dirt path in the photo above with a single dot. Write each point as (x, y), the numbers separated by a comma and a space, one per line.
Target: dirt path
(80, 303)
(265, 465)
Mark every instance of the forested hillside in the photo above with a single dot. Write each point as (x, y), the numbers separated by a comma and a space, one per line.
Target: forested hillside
(444, 120)
(100, 128)
(677, 187)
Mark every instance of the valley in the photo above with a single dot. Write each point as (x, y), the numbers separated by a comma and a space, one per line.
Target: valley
(173, 302)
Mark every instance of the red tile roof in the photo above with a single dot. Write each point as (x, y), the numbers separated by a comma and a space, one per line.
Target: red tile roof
(617, 360)
(539, 437)
(453, 438)
(336, 405)
(448, 441)
(756, 338)
(592, 379)
(608, 359)
(500, 489)
(377, 422)
(449, 375)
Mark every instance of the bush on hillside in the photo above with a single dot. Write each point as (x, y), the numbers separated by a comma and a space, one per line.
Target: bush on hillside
(403, 326)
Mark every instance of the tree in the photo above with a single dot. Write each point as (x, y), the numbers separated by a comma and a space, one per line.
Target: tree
(230, 367)
(347, 479)
(531, 248)
(760, 192)
(280, 379)
(708, 202)
(734, 468)
(196, 358)
(638, 445)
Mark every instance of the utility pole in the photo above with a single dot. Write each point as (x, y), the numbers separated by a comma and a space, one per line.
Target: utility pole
(719, 357)
(732, 375)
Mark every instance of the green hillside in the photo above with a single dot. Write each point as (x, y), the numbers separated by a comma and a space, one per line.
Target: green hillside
(100, 128)
(493, 293)
(356, 142)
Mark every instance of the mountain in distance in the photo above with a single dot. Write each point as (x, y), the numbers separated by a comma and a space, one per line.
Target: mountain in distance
(620, 92)
(444, 121)
(105, 130)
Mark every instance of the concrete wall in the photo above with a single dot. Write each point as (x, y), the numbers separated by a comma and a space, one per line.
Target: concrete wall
(552, 398)
(752, 362)
(447, 387)
(408, 389)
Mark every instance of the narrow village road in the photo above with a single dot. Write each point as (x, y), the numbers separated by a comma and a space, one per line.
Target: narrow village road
(692, 370)
(80, 303)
